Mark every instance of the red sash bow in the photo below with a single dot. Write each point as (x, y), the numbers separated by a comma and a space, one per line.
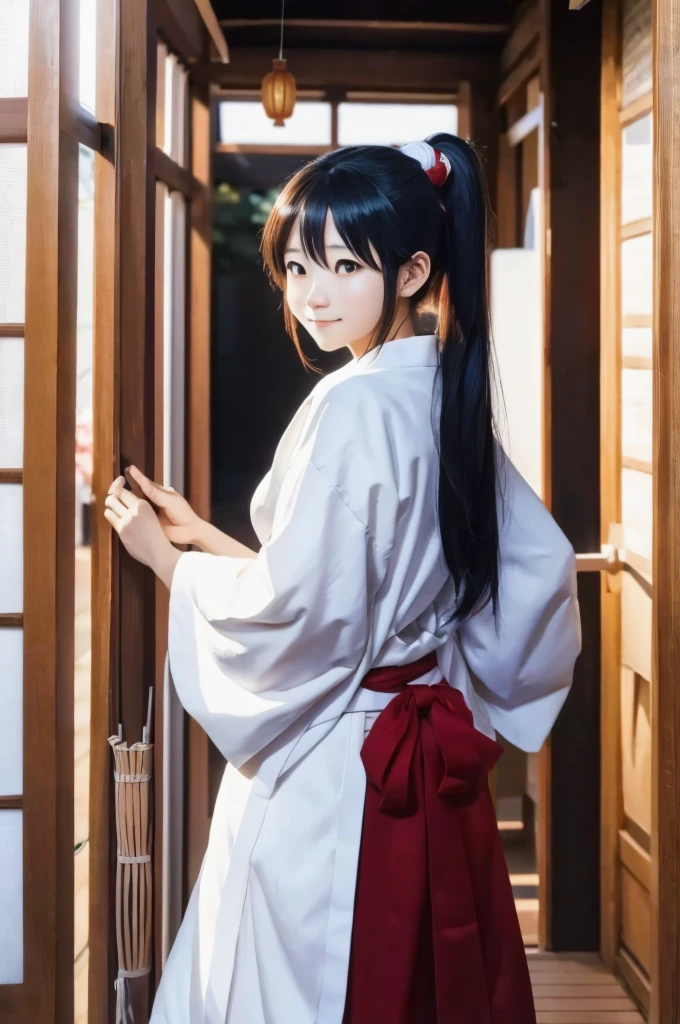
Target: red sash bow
(436, 938)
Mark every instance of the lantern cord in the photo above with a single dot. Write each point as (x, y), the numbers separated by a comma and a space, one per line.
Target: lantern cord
(281, 43)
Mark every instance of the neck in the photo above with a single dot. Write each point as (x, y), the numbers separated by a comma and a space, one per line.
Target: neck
(402, 327)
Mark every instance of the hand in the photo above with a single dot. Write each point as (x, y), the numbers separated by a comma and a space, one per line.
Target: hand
(178, 520)
(138, 527)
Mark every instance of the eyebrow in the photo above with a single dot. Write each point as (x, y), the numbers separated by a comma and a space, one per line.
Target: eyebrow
(328, 247)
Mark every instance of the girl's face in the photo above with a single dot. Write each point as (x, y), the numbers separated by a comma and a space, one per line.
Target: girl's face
(340, 306)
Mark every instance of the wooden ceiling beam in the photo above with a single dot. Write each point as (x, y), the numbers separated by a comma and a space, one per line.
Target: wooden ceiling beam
(181, 25)
(319, 69)
(332, 24)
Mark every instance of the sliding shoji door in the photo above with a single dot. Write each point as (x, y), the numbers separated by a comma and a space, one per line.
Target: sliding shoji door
(13, 93)
(54, 160)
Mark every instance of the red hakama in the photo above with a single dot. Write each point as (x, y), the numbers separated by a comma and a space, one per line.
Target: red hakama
(435, 939)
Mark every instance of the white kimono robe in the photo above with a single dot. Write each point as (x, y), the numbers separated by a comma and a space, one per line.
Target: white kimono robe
(268, 654)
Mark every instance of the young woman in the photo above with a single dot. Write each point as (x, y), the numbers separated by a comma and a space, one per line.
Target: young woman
(411, 595)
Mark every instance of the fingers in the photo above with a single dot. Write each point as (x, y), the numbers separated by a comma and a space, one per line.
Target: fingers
(148, 486)
(112, 518)
(117, 485)
(117, 503)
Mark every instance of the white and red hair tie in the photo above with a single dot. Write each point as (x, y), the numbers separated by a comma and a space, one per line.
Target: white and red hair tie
(436, 164)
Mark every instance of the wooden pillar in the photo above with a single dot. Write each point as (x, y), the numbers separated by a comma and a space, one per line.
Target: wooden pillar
(666, 571)
(611, 788)
(49, 514)
(198, 436)
(572, 163)
(136, 138)
(102, 957)
(481, 120)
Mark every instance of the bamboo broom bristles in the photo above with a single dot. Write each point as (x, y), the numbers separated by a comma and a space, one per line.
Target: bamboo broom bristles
(134, 892)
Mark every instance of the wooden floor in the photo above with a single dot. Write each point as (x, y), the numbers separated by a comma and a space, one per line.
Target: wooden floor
(576, 988)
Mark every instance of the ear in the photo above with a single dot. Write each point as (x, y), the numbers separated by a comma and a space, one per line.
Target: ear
(413, 274)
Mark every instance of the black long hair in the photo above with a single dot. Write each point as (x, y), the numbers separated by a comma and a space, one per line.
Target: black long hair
(379, 195)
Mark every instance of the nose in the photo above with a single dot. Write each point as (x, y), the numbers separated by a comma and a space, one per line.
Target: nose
(316, 297)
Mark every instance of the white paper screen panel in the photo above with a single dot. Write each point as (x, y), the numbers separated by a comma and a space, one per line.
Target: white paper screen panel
(13, 48)
(636, 414)
(637, 342)
(11, 898)
(11, 403)
(636, 511)
(174, 341)
(175, 107)
(636, 276)
(12, 232)
(637, 170)
(11, 716)
(11, 548)
(518, 344)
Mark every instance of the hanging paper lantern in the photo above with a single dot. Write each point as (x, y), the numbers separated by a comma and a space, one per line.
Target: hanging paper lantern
(278, 92)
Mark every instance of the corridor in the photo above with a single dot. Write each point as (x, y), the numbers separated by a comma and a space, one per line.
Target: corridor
(576, 988)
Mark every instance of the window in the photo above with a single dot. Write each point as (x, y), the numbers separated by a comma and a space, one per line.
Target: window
(246, 122)
(393, 124)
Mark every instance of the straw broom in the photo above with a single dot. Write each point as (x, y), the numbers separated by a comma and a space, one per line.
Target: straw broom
(133, 768)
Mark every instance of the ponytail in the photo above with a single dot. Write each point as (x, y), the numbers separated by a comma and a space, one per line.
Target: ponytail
(382, 200)
(467, 469)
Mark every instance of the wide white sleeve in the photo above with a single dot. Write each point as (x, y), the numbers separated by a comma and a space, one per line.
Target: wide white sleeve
(523, 672)
(256, 644)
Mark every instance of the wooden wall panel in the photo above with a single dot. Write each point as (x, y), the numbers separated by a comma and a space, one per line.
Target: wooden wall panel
(636, 919)
(636, 767)
(636, 627)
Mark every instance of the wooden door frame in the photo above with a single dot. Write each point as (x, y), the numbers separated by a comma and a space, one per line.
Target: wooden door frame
(611, 790)
(666, 547)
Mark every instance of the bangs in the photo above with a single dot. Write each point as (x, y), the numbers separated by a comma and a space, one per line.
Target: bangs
(309, 196)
